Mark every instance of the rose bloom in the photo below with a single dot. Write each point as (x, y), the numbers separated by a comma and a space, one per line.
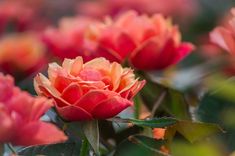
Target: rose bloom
(148, 43)
(96, 89)
(178, 8)
(21, 54)
(70, 39)
(20, 117)
(225, 36)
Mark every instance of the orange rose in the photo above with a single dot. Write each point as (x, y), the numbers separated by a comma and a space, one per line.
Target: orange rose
(96, 89)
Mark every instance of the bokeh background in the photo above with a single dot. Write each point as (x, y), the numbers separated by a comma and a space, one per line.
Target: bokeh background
(203, 77)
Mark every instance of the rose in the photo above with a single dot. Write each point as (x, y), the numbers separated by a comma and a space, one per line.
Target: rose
(225, 36)
(96, 89)
(20, 117)
(147, 43)
(21, 53)
(69, 39)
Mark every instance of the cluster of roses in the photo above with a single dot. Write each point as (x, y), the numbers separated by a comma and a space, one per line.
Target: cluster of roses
(99, 87)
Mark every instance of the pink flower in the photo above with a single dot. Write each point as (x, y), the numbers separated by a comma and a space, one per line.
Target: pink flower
(20, 114)
(21, 53)
(96, 89)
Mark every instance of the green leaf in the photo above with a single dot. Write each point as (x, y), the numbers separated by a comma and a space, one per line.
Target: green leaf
(194, 131)
(139, 145)
(155, 122)
(62, 149)
(221, 87)
(199, 149)
(91, 131)
(176, 105)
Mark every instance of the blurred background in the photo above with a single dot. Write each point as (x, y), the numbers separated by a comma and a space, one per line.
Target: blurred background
(205, 77)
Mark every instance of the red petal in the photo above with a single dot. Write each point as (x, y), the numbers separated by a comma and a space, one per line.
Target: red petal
(153, 57)
(183, 50)
(147, 56)
(72, 93)
(62, 82)
(73, 113)
(39, 133)
(7, 127)
(94, 97)
(110, 107)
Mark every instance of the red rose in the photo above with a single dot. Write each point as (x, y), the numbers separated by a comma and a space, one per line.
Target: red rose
(96, 89)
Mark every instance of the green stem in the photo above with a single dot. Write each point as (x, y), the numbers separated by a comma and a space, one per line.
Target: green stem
(85, 148)
(137, 105)
(158, 102)
(1, 149)
(11, 148)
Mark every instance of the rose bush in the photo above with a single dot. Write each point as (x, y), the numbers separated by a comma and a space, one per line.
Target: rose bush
(20, 117)
(96, 89)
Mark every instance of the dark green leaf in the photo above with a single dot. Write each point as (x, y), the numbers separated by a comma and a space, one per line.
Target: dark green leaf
(176, 105)
(155, 122)
(138, 145)
(62, 149)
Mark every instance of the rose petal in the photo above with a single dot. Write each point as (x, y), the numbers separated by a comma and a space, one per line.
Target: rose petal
(110, 107)
(224, 39)
(147, 56)
(30, 109)
(61, 82)
(7, 126)
(39, 133)
(115, 74)
(90, 100)
(182, 51)
(72, 93)
(74, 113)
